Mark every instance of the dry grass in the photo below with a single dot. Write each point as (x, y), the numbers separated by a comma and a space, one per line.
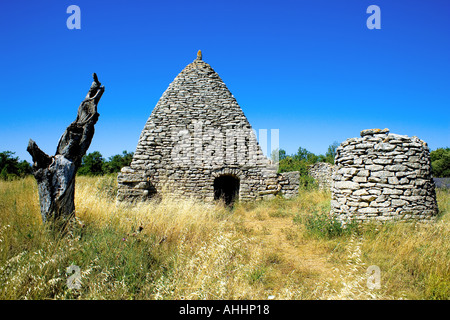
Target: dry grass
(185, 249)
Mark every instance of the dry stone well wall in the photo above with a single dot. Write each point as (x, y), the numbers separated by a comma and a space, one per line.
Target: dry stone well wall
(383, 177)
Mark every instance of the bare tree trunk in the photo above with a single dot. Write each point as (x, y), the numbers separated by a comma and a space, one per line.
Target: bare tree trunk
(55, 175)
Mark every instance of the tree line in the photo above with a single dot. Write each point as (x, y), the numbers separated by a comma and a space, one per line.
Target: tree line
(12, 167)
(440, 160)
(95, 164)
(92, 164)
(301, 160)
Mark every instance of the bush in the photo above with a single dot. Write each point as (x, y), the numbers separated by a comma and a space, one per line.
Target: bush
(331, 152)
(301, 162)
(324, 226)
(117, 162)
(440, 162)
(93, 164)
(308, 183)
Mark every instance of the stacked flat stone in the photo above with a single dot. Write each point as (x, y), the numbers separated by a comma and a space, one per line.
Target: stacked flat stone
(383, 177)
(196, 133)
(322, 173)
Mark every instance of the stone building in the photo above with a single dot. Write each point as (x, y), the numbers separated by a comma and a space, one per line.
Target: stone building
(322, 173)
(383, 176)
(197, 142)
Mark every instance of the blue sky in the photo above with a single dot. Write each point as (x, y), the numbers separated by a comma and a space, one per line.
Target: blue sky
(311, 69)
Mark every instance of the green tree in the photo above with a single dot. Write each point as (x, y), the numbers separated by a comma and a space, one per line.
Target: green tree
(117, 162)
(24, 168)
(311, 158)
(299, 162)
(92, 164)
(302, 154)
(321, 158)
(280, 152)
(11, 167)
(440, 162)
(331, 152)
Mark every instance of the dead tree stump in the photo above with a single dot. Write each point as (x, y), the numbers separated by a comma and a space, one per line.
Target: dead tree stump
(55, 175)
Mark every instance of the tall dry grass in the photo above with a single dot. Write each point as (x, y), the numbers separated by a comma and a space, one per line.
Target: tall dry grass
(184, 249)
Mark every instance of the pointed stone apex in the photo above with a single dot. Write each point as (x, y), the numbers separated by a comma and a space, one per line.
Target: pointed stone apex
(199, 55)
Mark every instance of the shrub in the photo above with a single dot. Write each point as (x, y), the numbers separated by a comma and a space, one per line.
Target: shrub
(301, 162)
(440, 162)
(324, 226)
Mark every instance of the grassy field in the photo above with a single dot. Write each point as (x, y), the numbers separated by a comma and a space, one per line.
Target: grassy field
(183, 249)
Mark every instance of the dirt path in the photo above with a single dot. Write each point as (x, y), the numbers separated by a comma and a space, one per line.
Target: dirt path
(283, 242)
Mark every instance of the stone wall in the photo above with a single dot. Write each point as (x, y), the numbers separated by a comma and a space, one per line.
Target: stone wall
(322, 173)
(383, 176)
(136, 184)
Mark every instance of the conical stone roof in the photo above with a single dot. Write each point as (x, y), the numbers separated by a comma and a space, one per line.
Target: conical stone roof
(198, 105)
(198, 93)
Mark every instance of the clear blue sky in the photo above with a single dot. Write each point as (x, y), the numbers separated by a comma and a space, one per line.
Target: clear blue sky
(311, 69)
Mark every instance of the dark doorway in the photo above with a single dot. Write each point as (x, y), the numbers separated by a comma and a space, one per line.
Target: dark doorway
(226, 187)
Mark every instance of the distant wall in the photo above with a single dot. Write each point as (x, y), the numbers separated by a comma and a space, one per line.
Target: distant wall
(383, 176)
(322, 172)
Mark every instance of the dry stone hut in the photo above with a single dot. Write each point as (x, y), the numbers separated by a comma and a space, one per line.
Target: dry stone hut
(197, 142)
(383, 176)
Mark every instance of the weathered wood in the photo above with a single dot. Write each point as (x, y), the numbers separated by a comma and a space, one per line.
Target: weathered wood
(55, 175)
